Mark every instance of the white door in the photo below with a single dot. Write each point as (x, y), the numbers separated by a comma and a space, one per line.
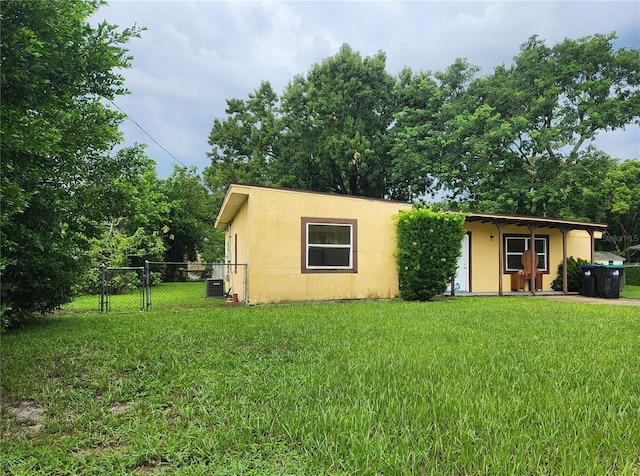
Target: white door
(461, 282)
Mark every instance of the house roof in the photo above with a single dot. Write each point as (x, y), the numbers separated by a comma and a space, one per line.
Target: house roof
(233, 200)
(238, 193)
(606, 256)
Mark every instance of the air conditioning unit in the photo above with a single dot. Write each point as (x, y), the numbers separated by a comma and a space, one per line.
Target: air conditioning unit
(215, 288)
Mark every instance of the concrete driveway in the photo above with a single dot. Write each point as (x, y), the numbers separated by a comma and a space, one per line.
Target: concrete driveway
(593, 300)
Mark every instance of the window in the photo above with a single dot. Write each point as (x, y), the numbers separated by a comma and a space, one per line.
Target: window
(515, 245)
(329, 245)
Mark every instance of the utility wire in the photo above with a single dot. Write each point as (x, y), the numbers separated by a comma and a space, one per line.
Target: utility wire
(148, 135)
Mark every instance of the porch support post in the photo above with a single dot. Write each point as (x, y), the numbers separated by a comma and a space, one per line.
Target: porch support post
(593, 244)
(534, 268)
(500, 226)
(565, 285)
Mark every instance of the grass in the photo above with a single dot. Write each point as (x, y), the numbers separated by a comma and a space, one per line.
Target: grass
(631, 292)
(463, 386)
(164, 296)
(187, 295)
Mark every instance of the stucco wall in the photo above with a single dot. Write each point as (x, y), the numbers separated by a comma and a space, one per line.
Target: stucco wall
(268, 226)
(265, 232)
(238, 249)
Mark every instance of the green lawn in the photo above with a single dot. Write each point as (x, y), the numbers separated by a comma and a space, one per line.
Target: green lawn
(464, 386)
(164, 296)
(631, 292)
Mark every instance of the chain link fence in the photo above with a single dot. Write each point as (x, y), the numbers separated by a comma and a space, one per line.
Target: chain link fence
(171, 285)
(122, 289)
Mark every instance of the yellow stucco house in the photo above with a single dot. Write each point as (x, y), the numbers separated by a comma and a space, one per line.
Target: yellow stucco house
(306, 246)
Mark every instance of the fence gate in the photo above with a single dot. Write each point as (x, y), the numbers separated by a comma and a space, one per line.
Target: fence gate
(118, 283)
(173, 285)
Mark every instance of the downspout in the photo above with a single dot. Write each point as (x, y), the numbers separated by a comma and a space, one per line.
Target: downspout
(228, 243)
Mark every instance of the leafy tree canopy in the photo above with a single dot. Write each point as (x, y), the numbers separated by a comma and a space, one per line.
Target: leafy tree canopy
(326, 133)
(190, 232)
(56, 134)
(519, 140)
(621, 193)
(514, 141)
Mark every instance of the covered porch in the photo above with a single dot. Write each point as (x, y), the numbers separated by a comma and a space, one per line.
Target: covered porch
(533, 227)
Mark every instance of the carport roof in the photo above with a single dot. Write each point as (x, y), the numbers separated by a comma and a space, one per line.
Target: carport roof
(542, 222)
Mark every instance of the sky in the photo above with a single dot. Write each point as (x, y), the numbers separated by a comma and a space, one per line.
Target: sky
(195, 55)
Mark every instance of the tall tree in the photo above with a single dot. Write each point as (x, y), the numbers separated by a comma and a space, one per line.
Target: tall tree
(190, 231)
(621, 190)
(579, 192)
(337, 118)
(56, 132)
(517, 135)
(134, 219)
(245, 142)
(139, 208)
(326, 133)
(428, 102)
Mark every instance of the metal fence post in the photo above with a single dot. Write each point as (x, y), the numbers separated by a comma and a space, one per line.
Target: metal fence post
(108, 276)
(102, 266)
(141, 281)
(147, 273)
(246, 284)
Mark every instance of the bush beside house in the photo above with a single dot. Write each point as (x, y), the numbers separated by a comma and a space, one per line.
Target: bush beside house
(574, 276)
(429, 245)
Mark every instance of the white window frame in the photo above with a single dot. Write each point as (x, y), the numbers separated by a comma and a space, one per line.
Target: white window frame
(351, 246)
(543, 264)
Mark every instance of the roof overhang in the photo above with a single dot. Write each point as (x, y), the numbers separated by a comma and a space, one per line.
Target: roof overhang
(538, 222)
(606, 256)
(233, 200)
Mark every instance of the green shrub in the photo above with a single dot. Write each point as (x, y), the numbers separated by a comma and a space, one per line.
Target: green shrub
(429, 245)
(574, 277)
(632, 275)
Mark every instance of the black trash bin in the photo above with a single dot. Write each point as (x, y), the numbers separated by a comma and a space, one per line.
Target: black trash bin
(588, 273)
(215, 288)
(599, 273)
(611, 281)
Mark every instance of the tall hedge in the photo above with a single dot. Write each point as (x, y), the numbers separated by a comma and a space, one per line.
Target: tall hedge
(632, 275)
(429, 245)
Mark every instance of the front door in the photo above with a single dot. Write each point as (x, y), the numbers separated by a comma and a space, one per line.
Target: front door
(461, 283)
